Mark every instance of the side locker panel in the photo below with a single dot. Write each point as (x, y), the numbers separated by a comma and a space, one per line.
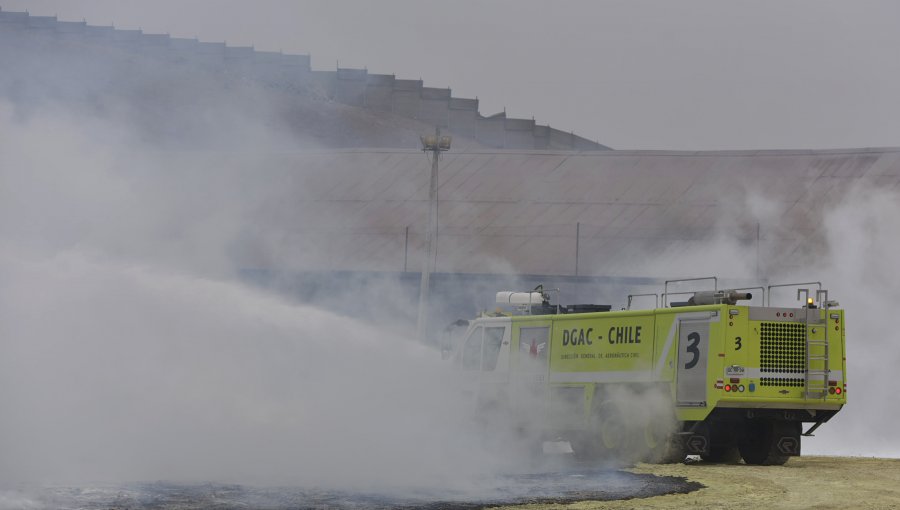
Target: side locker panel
(693, 357)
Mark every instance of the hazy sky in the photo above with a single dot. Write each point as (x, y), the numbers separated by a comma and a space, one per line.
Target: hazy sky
(630, 74)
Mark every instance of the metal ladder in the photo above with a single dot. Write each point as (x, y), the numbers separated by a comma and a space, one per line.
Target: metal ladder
(816, 380)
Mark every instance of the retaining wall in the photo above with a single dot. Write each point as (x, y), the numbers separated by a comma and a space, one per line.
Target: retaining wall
(354, 87)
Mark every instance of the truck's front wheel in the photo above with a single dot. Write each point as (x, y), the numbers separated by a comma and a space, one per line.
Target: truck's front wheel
(608, 437)
(616, 434)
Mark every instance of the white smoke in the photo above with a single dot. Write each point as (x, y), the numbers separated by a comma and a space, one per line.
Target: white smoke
(117, 371)
(132, 352)
(863, 235)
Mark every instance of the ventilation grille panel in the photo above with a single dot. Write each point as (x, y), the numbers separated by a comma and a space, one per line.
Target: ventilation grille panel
(782, 350)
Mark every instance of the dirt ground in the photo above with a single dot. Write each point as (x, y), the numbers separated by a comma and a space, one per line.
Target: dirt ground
(804, 482)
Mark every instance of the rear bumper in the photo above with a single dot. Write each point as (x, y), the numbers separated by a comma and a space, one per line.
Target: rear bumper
(797, 404)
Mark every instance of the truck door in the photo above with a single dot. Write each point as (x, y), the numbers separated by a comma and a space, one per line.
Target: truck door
(495, 353)
(485, 355)
(693, 354)
(471, 350)
(529, 390)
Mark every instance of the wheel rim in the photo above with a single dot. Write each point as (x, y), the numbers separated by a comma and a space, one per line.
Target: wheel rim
(612, 428)
(611, 437)
(653, 435)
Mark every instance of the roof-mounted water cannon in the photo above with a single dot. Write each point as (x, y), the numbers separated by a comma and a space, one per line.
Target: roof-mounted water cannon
(718, 297)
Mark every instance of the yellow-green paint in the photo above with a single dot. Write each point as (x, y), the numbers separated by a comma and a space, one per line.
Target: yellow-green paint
(602, 342)
(594, 351)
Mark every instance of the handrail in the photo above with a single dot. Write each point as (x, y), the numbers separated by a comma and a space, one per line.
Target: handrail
(664, 296)
(770, 287)
(655, 295)
(826, 306)
(666, 292)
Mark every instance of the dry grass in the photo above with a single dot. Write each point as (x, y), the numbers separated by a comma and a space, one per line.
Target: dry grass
(804, 482)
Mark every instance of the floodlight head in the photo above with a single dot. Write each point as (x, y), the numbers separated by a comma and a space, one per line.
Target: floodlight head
(429, 142)
(435, 143)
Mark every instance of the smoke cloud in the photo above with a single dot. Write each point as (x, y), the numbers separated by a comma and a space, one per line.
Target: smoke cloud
(131, 348)
(859, 270)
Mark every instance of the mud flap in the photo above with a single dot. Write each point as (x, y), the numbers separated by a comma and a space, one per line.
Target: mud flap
(696, 442)
(787, 438)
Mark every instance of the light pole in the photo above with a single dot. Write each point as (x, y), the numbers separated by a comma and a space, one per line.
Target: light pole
(435, 144)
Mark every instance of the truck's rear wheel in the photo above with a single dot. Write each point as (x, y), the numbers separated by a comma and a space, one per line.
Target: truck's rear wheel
(758, 442)
(671, 451)
(608, 437)
(661, 444)
(655, 435)
(722, 454)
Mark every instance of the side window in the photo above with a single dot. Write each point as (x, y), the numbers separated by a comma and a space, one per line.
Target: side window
(493, 338)
(471, 356)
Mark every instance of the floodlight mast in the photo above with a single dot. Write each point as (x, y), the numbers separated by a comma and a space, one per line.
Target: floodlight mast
(435, 144)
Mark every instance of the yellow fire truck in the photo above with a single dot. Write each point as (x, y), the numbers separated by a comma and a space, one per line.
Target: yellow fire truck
(707, 376)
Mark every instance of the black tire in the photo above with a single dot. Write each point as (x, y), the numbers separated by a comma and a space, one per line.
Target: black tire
(617, 437)
(722, 455)
(608, 437)
(757, 444)
(661, 444)
(673, 451)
